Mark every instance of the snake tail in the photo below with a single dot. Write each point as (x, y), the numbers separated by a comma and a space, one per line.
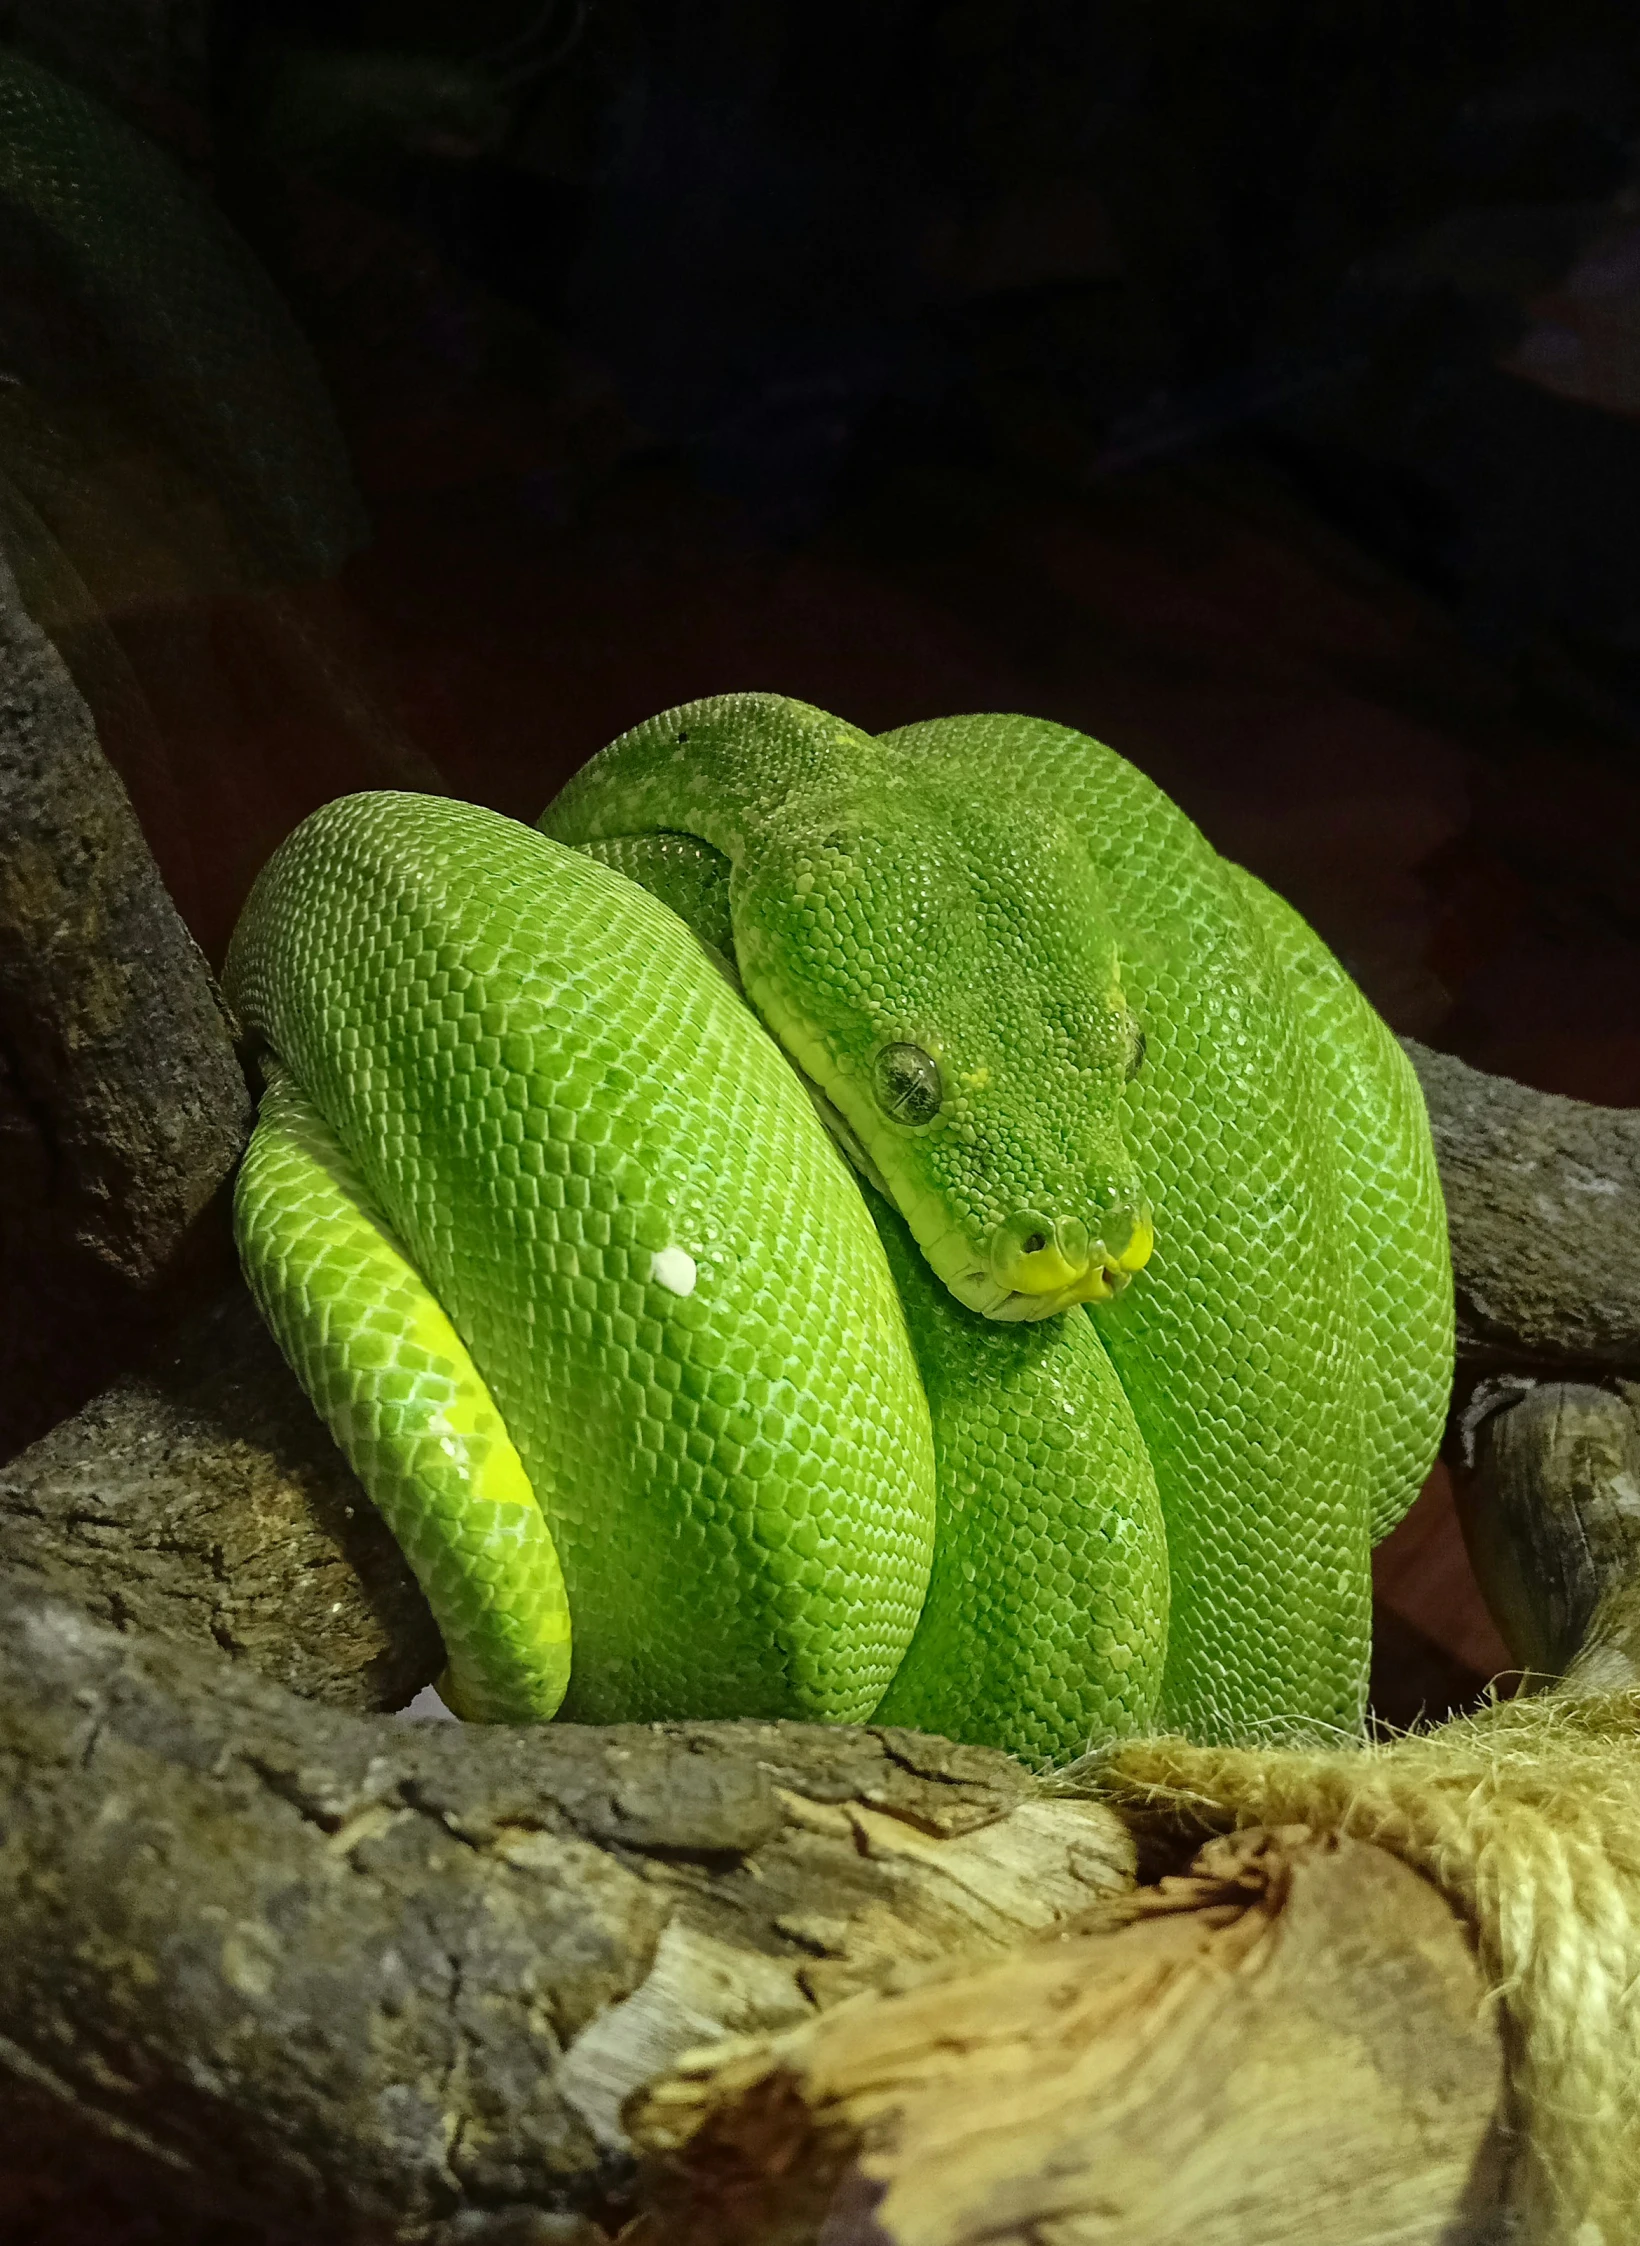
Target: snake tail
(393, 1381)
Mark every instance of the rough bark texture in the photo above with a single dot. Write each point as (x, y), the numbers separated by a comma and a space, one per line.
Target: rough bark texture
(1550, 1503)
(330, 1970)
(1543, 1200)
(121, 1078)
(200, 1499)
(122, 1106)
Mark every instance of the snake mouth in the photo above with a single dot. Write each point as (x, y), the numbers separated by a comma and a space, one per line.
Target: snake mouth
(1034, 1268)
(1103, 1282)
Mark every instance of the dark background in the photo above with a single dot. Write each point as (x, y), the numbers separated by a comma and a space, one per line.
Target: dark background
(1254, 384)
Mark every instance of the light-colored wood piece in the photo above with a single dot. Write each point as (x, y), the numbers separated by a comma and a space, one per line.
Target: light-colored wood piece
(1291, 2047)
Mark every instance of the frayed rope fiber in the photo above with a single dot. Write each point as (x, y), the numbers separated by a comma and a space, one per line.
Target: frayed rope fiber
(1527, 1816)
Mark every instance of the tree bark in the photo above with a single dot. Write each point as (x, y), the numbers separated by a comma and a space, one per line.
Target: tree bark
(321, 1969)
(1549, 1498)
(121, 1073)
(122, 1107)
(1543, 1204)
(201, 1500)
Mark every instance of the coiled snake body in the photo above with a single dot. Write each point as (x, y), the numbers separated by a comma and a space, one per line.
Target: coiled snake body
(1068, 1406)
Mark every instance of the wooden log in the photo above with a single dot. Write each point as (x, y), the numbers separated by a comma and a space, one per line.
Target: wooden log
(1287, 2044)
(119, 1065)
(317, 1969)
(122, 1107)
(1549, 1497)
(1543, 1204)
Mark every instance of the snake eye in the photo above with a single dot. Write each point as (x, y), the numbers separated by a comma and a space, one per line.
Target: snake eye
(906, 1081)
(1136, 1049)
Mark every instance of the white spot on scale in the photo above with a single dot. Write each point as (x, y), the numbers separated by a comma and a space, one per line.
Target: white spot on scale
(674, 1269)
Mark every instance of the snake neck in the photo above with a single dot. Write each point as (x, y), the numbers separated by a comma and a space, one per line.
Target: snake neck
(730, 771)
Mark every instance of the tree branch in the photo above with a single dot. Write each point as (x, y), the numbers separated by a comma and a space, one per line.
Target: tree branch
(1288, 2044)
(1543, 1204)
(325, 1969)
(122, 1107)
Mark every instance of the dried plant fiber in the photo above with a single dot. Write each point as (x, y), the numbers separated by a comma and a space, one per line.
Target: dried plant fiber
(1527, 1816)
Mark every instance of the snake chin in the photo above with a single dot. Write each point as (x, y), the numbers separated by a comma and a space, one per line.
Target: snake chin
(1012, 1306)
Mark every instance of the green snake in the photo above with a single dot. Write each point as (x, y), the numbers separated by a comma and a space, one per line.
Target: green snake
(835, 1227)
(828, 1227)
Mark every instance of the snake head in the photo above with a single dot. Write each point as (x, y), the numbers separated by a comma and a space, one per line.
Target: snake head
(948, 980)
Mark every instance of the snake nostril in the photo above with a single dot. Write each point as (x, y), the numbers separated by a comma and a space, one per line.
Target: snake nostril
(1035, 1244)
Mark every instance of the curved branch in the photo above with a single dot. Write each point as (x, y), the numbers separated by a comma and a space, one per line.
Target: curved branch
(116, 1049)
(1543, 1203)
(331, 1970)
